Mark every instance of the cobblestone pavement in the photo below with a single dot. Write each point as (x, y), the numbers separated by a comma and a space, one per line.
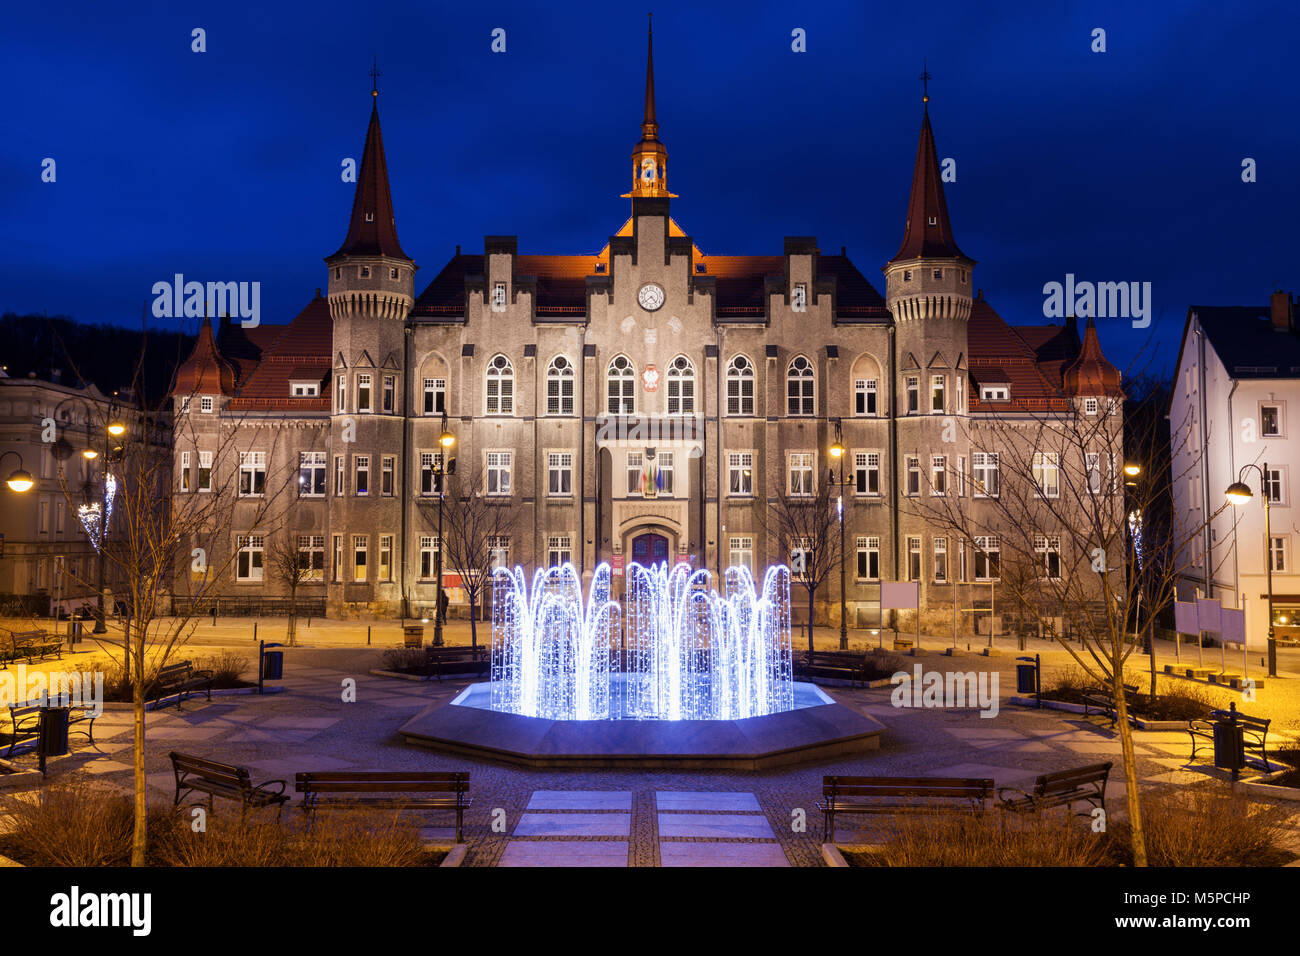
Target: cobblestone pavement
(310, 727)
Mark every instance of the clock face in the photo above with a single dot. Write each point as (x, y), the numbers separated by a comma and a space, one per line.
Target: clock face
(651, 297)
(647, 169)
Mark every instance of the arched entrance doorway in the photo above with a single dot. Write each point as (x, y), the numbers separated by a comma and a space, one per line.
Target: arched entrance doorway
(649, 548)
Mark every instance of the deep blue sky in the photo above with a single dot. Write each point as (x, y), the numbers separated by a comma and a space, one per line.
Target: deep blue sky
(225, 165)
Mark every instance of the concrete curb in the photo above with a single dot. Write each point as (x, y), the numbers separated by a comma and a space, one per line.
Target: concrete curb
(118, 705)
(1261, 787)
(455, 856)
(833, 857)
(396, 675)
(1139, 723)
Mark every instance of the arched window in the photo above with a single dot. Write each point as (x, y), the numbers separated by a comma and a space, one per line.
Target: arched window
(621, 385)
(559, 387)
(500, 386)
(681, 387)
(740, 386)
(799, 387)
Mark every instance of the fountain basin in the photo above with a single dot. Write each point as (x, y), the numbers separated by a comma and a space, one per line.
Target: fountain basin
(817, 729)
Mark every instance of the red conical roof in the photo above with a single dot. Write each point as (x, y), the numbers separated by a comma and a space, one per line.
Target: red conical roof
(205, 372)
(373, 229)
(1090, 373)
(928, 232)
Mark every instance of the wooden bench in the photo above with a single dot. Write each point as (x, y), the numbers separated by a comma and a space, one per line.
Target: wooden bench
(182, 680)
(835, 664)
(32, 645)
(852, 795)
(197, 775)
(1103, 702)
(457, 660)
(1062, 788)
(404, 791)
(1254, 732)
(25, 723)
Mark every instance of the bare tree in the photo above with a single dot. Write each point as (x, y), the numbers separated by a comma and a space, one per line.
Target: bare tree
(474, 525)
(806, 528)
(290, 566)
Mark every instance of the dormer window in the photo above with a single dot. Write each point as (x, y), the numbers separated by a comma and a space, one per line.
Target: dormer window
(995, 393)
(934, 221)
(600, 268)
(304, 389)
(370, 217)
(365, 272)
(701, 268)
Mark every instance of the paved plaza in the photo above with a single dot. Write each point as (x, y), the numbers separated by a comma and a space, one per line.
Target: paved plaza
(620, 818)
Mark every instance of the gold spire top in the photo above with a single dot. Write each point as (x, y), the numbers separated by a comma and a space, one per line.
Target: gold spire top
(374, 78)
(650, 156)
(925, 79)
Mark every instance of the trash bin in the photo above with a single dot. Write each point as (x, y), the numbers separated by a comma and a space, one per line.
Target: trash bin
(74, 632)
(1025, 682)
(272, 664)
(53, 732)
(1229, 745)
(414, 634)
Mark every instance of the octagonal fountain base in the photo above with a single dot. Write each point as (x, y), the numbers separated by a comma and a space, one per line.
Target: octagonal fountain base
(817, 729)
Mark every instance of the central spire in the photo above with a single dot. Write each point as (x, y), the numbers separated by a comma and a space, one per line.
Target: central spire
(650, 156)
(928, 232)
(372, 231)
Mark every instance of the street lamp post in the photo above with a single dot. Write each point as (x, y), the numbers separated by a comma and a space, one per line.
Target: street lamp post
(19, 480)
(1133, 521)
(446, 440)
(1239, 493)
(837, 452)
(114, 429)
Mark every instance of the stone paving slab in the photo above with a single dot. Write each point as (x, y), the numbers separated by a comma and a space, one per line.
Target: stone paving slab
(721, 854)
(734, 826)
(581, 800)
(706, 800)
(585, 853)
(574, 824)
(1001, 776)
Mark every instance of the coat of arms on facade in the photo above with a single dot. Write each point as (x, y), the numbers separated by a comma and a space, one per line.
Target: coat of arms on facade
(650, 378)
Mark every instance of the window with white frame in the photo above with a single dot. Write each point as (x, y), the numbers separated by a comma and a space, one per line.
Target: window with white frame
(498, 548)
(559, 386)
(435, 396)
(185, 405)
(913, 467)
(559, 474)
(311, 474)
(914, 557)
(388, 399)
(959, 392)
(799, 387)
(185, 471)
(940, 560)
(498, 297)
(430, 472)
(988, 557)
(360, 556)
(937, 393)
(387, 469)
(385, 557)
(664, 476)
(802, 474)
(340, 475)
(341, 393)
(207, 403)
(1278, 558)
(1047, 548)
(740, 552)
(248, 560)
(361, 475)
(559, 550)
(1047, 474)
(799, 297)
(995, 393)
(636, 473)
(938, 475)
(500, 386)
(498, 473)
(337, 572)
(961, 476)
(740, 386)
(864, 396)
(1275, 485)
(681, 386)
(205, 471)
(868, 555)
(740, 474)
(1270, 420)
(1092, 465)
(311, 556)
(252, 474)
(304, 389)
(912, 385)
(428, 561)
(985, 474)
(866, 472)
(1090, 406)
(363, 392)
(621, 386)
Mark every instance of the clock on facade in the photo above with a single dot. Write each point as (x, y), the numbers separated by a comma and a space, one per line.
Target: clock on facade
(651, 297)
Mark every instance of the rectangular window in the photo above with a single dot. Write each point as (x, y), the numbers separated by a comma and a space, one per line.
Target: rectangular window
(1047, 474)
(741, 553)
(866, 473)
(559, 550)
(664, 476)
(740, 474)
(341, 394)
(248, 562)
(1277, 554)
(913, 475)
(1092, 464)
(559, 394)
(311, 556)
(435, 396)
(385, 557)
(185, 471)
(498, 297)
(1090, 406)
(802, 480)
(361, 475)
(961, 476)
(938, 475)
(913, 383)
(740, 394)
(428, 563)
(868, 558)
(498, 550)
(205, 471)
(338, 557)
(864, 396)
(389, 394)
(959, 391)
(387, 468)
(185, 405)
(43, 516)
(304, 389)
(1275, 486)
(936, 393)
(984, 471)
(206, 403)
(363, 392)
(559, 474)
(360, 543)
(1270, 421)
(988, 558)
(681, 394)
(311, 474)
(799, 298)
(252, 474)
(636, 473)
(498, 473)
(1048, 550)
(430, 472)
(340, 478)
(941, 560)
(914, 558)
(994, 393)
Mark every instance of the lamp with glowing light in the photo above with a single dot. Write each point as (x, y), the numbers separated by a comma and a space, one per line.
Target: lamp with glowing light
(443, 468)
(19, 480)
(837, 453)
(1239, 493)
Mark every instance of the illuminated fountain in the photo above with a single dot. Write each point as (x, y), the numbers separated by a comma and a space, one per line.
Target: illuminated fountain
(689, 652)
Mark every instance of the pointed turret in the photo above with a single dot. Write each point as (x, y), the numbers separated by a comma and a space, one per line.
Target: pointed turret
(1090, 373)
(650, 156)
(928, 233)
(373, 228)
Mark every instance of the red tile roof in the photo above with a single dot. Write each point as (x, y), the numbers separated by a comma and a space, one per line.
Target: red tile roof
(373, 228)
(1001, 355)
(1089, 373)
(928, 231)
(301, 351)
(205, 372)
